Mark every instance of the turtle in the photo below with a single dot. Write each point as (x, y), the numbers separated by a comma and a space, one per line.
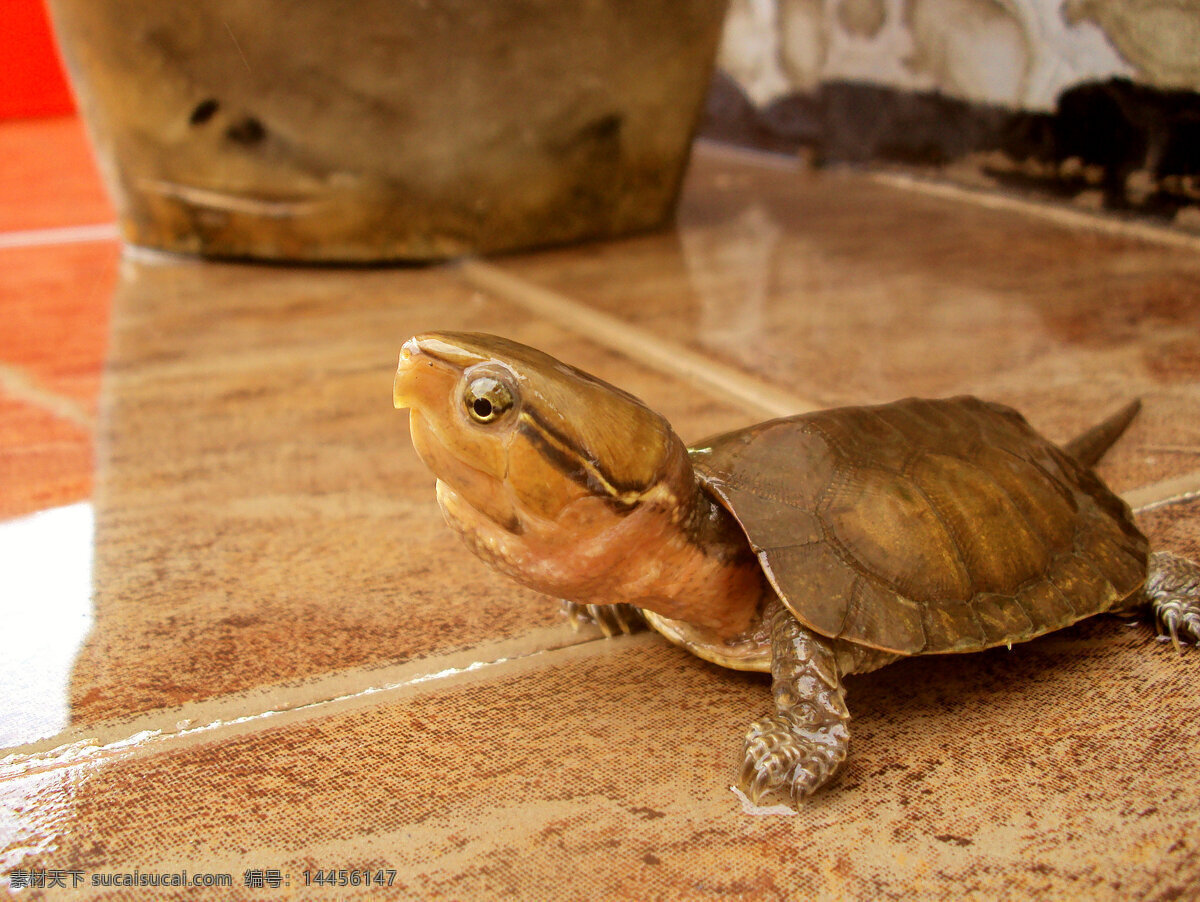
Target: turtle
(809, 547)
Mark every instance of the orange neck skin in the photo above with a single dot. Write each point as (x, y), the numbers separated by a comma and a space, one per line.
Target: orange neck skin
(686, 562)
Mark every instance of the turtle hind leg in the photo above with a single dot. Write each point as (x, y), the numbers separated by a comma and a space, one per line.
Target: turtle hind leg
(1172, 590)
(800, 746)
(613, 619)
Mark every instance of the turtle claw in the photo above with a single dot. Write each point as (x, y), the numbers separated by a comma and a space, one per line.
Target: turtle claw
(1172, 623)
(628, 617)
(746, 779)
(574, 613)
(602, 619)
(759, 787)
(763, 770)
(1173, 590)
(782, 756)
(1170, 620)
(612, 619)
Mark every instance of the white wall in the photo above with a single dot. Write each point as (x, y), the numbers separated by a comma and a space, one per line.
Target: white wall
(1014, 53)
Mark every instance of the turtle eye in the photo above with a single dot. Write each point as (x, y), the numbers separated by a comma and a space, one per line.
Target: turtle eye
(487, 399)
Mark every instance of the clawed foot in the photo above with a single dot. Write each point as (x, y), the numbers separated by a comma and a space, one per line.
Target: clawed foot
(613, 619)
(1173, 589)
(1179, 619)
(787, 758)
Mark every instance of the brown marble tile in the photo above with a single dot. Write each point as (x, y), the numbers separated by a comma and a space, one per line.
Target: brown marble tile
(49, 178)
(1174, 527)
(1063, 768)
(263, 522)
(261, 515)
(847, 291)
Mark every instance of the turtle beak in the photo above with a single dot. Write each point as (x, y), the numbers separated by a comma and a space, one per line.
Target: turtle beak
(430, 365)
(405, 387)
(423, 380)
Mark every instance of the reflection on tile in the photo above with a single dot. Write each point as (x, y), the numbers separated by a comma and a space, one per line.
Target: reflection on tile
(844, 292)
(294, 664)
(261, 515)
(46, 609)
(45, 460)
(602, 771)
(54, 304)
(54, 309)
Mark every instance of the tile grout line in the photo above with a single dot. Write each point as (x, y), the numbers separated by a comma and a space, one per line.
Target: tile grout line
(751, 393)
(223, 717)
(754, 395)
(106, 231)
(1165, 492)
(1059, 215)
(19, 385)
(992, 199)
(764, 159)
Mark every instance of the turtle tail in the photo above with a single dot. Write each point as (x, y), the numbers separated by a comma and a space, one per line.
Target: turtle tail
(1090, 447)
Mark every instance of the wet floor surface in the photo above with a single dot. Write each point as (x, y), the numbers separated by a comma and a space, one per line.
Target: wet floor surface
(249, 646)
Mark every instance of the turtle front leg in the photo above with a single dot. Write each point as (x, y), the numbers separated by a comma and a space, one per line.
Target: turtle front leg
(1172, 590)
(801, 746)
(613, 619)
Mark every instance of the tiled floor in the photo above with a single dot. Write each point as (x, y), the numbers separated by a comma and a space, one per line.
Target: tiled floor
(55, 291)
(291, 664)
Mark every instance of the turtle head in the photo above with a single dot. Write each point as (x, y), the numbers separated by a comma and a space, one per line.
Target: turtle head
(569, 485)
(529, 442)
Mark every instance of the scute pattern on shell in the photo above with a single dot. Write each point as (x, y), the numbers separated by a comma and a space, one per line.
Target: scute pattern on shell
(926, 526)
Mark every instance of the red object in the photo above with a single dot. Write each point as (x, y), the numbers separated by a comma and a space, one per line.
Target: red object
(32, 82)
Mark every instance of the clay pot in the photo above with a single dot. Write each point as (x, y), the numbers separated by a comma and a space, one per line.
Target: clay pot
(388, 129)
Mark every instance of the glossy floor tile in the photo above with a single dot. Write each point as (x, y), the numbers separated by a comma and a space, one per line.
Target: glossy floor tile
(290, 664)
(54, 303)
(603, 770)
(255, 477)
(56, 285)
(46, 559)
(842, 290)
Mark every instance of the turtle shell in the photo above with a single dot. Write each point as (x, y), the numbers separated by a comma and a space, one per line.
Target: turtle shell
(925, 526)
